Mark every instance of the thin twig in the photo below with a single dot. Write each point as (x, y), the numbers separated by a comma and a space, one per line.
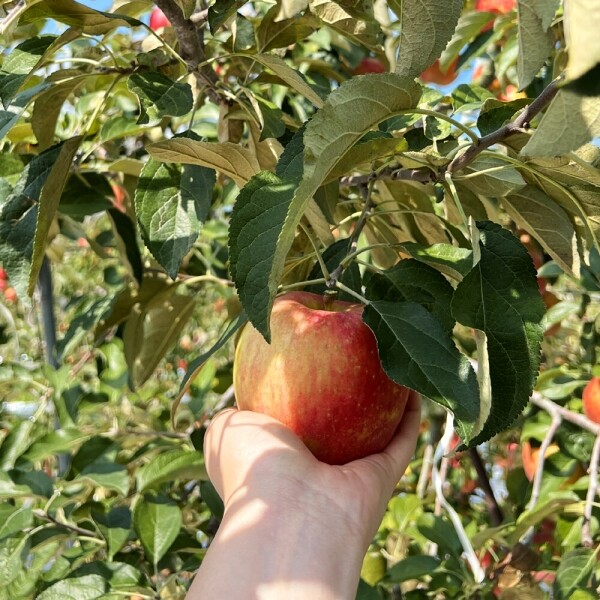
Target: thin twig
(564, 413)
(394, 173)
(586, 533)
(40, 514)
(496, 516)
(520, 124)
(366, 190)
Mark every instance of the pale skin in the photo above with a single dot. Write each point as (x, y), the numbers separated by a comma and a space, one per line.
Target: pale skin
(294, 528)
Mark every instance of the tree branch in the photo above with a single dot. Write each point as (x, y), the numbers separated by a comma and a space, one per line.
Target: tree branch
(564, 413)
(393, 173)
(191, 45)
(496, 516)
(586, 533)
(521, 123)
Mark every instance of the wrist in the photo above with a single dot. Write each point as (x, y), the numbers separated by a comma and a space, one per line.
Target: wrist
(284, 549)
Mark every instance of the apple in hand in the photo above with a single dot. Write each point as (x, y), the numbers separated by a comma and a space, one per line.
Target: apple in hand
(321, 377)
(591, 399)
(158, 19)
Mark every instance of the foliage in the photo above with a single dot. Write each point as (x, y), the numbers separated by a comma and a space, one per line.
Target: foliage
(174, 180)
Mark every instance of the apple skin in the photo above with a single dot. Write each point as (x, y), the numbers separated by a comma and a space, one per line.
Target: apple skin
(495, 6)
(369, 65)
(434, 74)
(158, 19)
(591, 399)
(321, 377)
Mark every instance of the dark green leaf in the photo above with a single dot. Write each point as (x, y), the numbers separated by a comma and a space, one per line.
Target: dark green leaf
(367, 592)
(160, 96)
(169, 466)
(55, 442)
(440, 532)
(574, 570)
(115, 527)
(416, 351)
(414, 567)
(495, 113)
(87, 587)
(14, 520)
(171, 203)
(500, 297)
(151, 329)
(103, 474)
(126, 237)
(157, 520)
(414, 281)
(220, 11)
(450, 260)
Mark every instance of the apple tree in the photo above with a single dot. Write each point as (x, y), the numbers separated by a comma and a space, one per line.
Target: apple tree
(167, 170)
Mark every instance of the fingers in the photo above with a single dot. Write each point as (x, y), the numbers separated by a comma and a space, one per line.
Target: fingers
(400, 450)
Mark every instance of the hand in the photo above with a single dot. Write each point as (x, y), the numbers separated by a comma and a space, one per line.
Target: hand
(293, 527)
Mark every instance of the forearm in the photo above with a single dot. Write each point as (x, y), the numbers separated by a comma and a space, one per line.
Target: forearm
(261, 553)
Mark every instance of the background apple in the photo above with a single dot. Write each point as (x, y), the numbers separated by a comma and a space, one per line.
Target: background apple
(434, 74)
(591, 399)
(158, 19)
(320, 376)
(369, 65)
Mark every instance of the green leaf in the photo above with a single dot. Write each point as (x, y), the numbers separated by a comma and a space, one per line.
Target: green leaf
(171, 204)
(221, 11)
(359, 26)
(568, 123)
(367, 592)
(77, 15)
(103, 474)
(491, 176)
(414, 281)
(169, 466)
(115, 527)
(151, 329)
(531, 209)
(412, 567)
(230, 159)
(125, 235)
(157, 520)
(14, 520)
(26, 215)
(427, 27)
(48, 202)
(254, 233)
(581, 25)
(24, 58)
(574, 570)
(272, 34)
(13, 553)
(265, 217)
(160, 96)
(87, 587)
(17, 441)
(495, 113)
(417, 351)
(294, 79)
(198, 362)
(469, 26)
(55, 442)
(535, 37)
(440, 532)
(500, 297)
(450, 260)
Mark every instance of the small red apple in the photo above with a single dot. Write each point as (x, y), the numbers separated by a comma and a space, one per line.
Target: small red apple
(10, 294)
(531, 455)
(500, 7)
(321, 377)
(434, 74)
(3, 274)
(591, 399)
(369, 65)
(158, 19)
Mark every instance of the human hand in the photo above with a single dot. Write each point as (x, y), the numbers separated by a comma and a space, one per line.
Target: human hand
(252, 456)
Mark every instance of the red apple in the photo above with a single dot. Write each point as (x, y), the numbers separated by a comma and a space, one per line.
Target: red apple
(10, 294)
(158, 19)
(321, 377)
(369, 65)
(3, 274)
(591, 399)
(496, 6)
(434, 74)
(531, 455)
